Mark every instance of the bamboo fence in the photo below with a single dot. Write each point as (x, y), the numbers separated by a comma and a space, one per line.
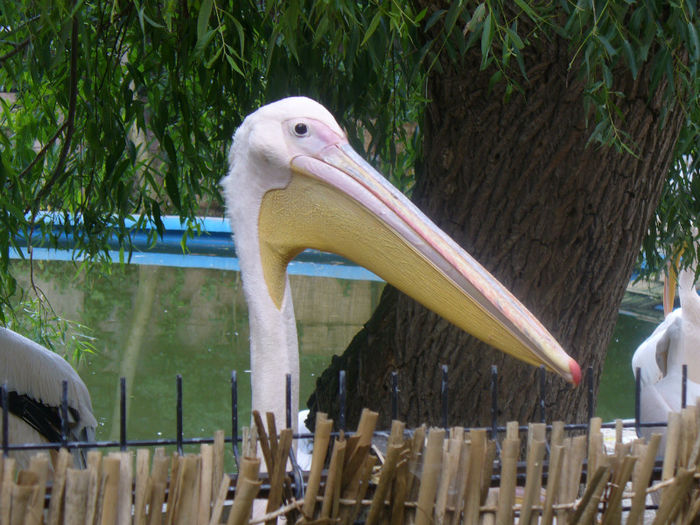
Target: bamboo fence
(422, 477)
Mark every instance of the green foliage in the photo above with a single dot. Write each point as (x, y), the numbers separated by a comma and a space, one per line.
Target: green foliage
(126, 109)
(609, 42)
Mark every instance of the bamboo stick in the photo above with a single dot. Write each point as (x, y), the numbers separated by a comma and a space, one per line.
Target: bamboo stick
(400, 489)
(640, 480)
(335, 471)
(472, 495)
(172, 489)
(246, 489)
(59, 482)
(8, 475)
(506, 490)
(318, 458)
(673, 437)
(556, 459)
(92, 495)
(673, 499)
(488, 517)
(689, 433)
(676, 435)
(249, 468)
(205, 483)
(187, 505)
(557, 437)
(536, 432)
(358, 446)
(695, 453)
(487, 469)
(457, 498)
(512, 430)
(20, 497)
(272, 433)
(586, 510)
(431, 470)
(450, 460)
(249, 444)
(263, 440)
(76, 495)
(397, 431)
(366, 473)
(279, 463)
(218, 470)
(218, 505)
(158, 477)
(126, 477)
(39, 465)
(140, 487)
(109, 497)
(533, 482)
(385, 479)
(365, 429)
(613, 511)
(5, 488)
(574, 466)
(415, 461)
(23, 497)
(595, 443)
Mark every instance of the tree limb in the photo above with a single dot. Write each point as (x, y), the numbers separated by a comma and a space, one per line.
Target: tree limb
(19, 47)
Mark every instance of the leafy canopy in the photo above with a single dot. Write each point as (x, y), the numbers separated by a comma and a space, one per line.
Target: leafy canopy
(124, 110)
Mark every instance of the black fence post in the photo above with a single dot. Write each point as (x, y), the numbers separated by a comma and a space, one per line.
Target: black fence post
(494, 403)
(5, 420)
(234, 414)
(64, 414)
(288, 400)
(122, 414)
(394, 395)
(543, 385)
(296, 470)
(341, 400)
(590, 394)
(178, 412)
(637, 399)
(443, 395)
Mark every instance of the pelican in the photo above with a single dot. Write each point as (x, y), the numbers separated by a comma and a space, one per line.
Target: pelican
(294, 183)
(660, 358)
(34, 376)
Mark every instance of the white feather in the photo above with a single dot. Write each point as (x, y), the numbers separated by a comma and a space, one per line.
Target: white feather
(28, 368)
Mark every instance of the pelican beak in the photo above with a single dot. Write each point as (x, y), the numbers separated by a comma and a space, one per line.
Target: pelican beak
(671, 282)
(336, 202)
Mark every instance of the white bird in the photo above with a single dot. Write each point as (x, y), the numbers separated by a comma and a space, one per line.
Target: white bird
(34, 376)
(660, 358)
(294, 183)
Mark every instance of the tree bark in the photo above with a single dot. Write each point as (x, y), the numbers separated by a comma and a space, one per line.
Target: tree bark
(557, 221)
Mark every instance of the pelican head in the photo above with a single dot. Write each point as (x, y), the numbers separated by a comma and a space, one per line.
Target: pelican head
(295, 183)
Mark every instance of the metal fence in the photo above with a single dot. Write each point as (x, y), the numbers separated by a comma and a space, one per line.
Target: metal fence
(123, 443)
(179, 440)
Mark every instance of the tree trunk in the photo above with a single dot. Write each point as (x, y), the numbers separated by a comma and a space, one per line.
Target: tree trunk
(558, 222)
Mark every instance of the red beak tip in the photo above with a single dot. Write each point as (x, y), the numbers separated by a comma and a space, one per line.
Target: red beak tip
(575, 372)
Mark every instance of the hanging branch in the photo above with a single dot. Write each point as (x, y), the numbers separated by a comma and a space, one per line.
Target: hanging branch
(58, 172)
(19, 47)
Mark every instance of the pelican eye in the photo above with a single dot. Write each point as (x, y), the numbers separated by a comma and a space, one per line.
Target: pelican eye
(301, 129)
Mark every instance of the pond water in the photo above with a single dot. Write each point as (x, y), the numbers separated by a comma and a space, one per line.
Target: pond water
(151, 323)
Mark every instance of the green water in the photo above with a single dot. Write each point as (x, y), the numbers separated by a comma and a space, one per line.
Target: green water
(151, 323)
(616, 392)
